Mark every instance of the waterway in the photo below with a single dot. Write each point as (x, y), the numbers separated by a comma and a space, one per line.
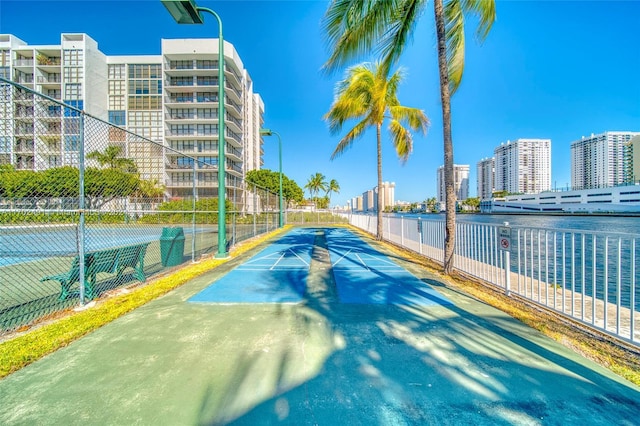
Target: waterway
(567, 253)
(601, 223)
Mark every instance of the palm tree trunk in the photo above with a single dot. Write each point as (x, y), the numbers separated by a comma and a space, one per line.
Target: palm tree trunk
(445, 95)
(379, 212)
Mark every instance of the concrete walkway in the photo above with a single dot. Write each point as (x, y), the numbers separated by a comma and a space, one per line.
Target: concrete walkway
(171, 362)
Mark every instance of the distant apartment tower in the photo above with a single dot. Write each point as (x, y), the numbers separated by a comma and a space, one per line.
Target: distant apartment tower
(357, 203)
(523, 166)
(368, 198)
(460, 183)
(171, 98)
(632, 160)
(598, 161)
(486, 177)
(388, 195)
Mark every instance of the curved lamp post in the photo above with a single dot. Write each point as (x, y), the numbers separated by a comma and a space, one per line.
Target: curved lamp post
(269, 132)
(187, 12)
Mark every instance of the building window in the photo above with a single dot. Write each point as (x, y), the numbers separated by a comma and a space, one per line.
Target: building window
(117, 118)
(116, 102)
(72, 75)
(116, 72)
(73, 57)
(116, 87)
(72, 92)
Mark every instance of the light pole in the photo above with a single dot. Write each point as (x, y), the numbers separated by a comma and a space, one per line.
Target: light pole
(269, 132)
(187, 12)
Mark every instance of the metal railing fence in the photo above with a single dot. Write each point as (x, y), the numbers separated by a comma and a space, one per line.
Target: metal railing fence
(591, 277)
(85, 208)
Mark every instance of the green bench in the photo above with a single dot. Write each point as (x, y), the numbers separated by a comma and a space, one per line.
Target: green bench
(114, 260)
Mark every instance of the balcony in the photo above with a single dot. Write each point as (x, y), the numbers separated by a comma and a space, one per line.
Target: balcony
(21, 130)
(25, 79)
(54, 78)
(23, 62)
(54, 61)
(24, 112)
(24, 147)
(185, 98)
(233, 136)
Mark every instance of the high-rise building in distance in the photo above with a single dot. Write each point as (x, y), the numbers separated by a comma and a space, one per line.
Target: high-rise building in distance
(523, 166)
(486, 178)
(460, 183)
(599, 161)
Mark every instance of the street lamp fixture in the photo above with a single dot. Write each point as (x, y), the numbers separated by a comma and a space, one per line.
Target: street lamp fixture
(269, 132)
(187, 12)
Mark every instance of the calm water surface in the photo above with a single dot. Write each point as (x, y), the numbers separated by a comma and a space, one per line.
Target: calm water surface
(617, 224)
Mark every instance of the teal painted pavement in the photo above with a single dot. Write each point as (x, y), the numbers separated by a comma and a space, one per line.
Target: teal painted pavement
(318, 362)
(277, 274)
(364, 275)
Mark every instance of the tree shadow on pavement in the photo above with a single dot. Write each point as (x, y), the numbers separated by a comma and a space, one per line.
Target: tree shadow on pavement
(464, 363)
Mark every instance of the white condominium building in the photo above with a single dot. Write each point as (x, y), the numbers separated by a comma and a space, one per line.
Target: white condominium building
(523, 166)
(368, 200)
(486, 176)
(598, 161)
(388, 195)
(171, 98)
(37, 137)
(460, 183)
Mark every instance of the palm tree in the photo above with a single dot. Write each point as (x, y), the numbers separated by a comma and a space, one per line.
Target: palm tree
(315, 184)
(368, 95)
(355, 27)
(112, 158)
(333, 186)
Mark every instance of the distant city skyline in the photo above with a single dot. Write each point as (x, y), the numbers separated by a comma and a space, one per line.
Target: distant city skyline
(543, 72)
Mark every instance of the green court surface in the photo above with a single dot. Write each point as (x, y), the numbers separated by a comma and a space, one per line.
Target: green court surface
(319, 361)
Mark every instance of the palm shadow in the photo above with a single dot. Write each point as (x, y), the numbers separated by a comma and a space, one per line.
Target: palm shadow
(402, 363)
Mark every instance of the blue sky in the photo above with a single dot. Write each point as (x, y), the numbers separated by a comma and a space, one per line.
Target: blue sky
(549, 69)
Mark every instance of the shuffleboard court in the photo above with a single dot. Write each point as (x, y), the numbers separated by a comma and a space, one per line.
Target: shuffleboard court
(363, 275)
(278, 274)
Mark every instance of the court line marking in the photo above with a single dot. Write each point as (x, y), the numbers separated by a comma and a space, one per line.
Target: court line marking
(387, 264)
(272, 265)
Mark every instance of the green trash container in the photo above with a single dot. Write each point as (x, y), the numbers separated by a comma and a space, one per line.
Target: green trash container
(172, 246)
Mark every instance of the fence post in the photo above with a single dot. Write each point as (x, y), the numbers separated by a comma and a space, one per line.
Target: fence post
(401, 230)
(505, 246)
(193, 215)
(255, 209)
(419, 236)
(81, 206)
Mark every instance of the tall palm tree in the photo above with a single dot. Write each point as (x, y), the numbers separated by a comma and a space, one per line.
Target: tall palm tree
(355, 27)
(369, 96)
(333, 186)
(316, 183)
(113, 159)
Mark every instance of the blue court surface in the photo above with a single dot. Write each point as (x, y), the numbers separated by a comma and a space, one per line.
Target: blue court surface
(278, 274)
(363, 275)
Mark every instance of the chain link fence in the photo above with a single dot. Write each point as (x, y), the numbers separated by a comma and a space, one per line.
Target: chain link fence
(86, 207)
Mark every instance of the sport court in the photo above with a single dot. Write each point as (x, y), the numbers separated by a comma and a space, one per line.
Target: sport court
(362, 275)
(334, 353)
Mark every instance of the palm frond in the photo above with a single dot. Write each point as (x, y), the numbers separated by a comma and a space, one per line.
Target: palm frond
(402, 140)
(399, 30)
(485, 10)
(353, 28)
(349, 138)
(414, 117)
(454, 28)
